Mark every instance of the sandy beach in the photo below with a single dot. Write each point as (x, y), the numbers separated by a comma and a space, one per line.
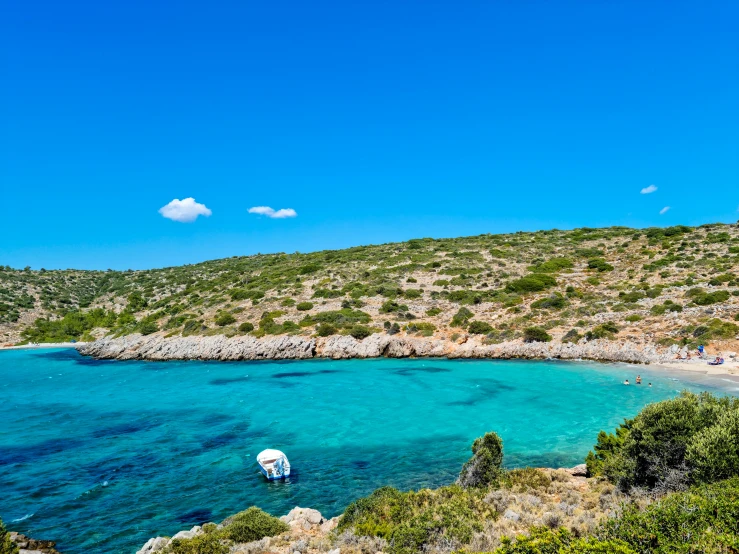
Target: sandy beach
(730, 368)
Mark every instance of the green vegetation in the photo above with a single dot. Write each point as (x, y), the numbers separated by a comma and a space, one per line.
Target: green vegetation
(517, 280)
(690, 439)
(485, 466)
(6, 545)
(536, 334)
(479, 328)
(247, 526)
(657, 450)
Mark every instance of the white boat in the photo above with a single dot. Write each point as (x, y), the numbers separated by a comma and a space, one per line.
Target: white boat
(273, 464)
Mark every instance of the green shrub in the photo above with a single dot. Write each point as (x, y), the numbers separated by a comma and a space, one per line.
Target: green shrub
(304, 306)
(604, 331)
(413, 293)
(554, 302)
(599, 264)
(542, 540)
(287, 302)
(201, 544)
(433, 311)
(571, 336)
(702, 298)
(252, 525)
(192, 327)
(412, 521)
(390, 306)
(243, 294)
(633, 318)
(536, 334)
(553, 266)
(652, 449)
(531, 283)
(246, 327)
(441, 282)
(461, 318)
(713, 453)
(147, 326)
(479, 328)
(326, 329)
(345, 317)
(704, 519)
(6, 545)
(484, 468)
(360, 332)
(527, 478)
(225, 318)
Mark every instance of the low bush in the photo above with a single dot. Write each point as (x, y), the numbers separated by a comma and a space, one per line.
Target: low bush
(633, 318)
(536, 334)
(201, 544)
(479, 328)
(553, 265)
(572, 336)
(252, 525)
(534, 282)
(326, 330)
(704, 519)
(461, 318)
(604, 331)
(304, 306)
(703, 298)
(246, 327)
(543, 540)
(554, 302)
(360, 332)
(225, 318)
(600, 265)
(433, 311)
(6, 545)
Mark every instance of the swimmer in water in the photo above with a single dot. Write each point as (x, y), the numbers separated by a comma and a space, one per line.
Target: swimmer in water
(626, 382)
(638, 379)
(650, 384)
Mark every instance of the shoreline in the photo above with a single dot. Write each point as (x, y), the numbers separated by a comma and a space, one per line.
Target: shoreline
(40, 346)
(336, 347)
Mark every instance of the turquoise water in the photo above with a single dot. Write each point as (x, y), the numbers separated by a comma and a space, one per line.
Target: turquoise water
(102, 455)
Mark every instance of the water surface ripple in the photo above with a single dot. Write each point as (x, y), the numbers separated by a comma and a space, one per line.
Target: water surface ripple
(101, 455)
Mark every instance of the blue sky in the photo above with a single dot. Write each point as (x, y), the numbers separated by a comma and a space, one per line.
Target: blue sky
(373, 121)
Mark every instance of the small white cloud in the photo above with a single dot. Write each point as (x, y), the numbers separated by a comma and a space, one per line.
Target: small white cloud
(184, 211)
(274, 214)
(664, 210)
(648, 190)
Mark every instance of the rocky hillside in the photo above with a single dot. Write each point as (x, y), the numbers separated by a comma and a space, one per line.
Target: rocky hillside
(675, 285)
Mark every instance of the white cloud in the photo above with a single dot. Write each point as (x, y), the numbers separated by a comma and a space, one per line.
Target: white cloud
(664, 210)
(649, 190)
(274, 214)
(184, 211)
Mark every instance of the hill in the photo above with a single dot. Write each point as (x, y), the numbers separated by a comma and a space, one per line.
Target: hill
(674, 285)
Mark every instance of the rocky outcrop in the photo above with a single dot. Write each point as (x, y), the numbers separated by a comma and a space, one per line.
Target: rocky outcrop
(156, 347)
(28, 545)
(303, 522)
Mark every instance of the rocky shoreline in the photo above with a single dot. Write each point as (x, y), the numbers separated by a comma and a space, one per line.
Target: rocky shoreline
(158, 348)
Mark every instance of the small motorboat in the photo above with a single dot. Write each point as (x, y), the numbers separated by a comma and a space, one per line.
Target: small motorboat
(273, 464)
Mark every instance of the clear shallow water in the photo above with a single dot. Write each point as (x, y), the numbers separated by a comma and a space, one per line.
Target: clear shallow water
(101, 455)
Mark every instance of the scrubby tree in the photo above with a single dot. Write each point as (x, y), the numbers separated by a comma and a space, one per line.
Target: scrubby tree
(485, 466)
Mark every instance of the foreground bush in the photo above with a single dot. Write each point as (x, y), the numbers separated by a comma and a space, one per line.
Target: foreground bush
(692, 438)
(6, 545)
(702, 520)
(253, 524)
(409, 521)
(560, 541)
(484, 468)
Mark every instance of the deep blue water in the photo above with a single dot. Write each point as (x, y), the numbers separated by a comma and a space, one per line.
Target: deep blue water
(101, 455)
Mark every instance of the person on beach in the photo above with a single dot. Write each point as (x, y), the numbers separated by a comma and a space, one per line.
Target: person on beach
(638, 379)
(700, 350)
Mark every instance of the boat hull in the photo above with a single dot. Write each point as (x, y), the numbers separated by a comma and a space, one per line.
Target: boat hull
(273, 477)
